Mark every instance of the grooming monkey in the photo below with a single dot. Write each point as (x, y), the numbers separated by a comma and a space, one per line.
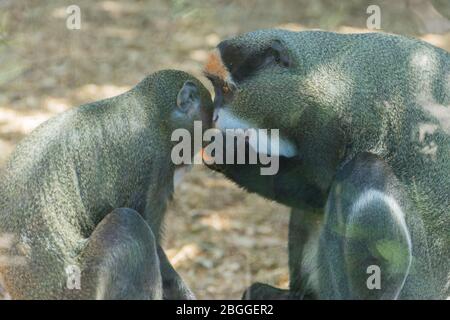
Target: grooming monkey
(366, 119)
(89, 189)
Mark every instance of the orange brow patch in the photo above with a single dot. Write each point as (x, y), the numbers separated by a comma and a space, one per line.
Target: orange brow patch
(214, 66)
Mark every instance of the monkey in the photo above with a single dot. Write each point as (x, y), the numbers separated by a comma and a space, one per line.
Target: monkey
(366, 118)
(87, 191)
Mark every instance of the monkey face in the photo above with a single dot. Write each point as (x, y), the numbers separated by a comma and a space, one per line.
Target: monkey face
(255, 81)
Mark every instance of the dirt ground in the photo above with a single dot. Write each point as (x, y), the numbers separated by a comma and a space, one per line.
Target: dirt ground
(218, 237)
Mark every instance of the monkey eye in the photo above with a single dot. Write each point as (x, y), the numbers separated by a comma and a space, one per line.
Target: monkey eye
(225, 89)
(228, 88)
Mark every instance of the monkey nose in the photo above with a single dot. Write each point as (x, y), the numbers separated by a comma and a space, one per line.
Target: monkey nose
(216, 115)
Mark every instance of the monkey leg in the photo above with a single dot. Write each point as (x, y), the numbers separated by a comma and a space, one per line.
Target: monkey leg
(364, 249)
(120, 260)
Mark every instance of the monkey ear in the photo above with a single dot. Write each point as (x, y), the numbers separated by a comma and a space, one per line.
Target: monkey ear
(280, 53)
(188, 97)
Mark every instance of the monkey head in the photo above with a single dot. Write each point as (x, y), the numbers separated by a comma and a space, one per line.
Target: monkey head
(255, 82)
(180, 99)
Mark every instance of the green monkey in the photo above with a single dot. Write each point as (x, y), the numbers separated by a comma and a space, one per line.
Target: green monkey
(87, 191)
(364, 121)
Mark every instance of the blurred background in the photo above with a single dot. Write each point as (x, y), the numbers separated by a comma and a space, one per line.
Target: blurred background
(218, 237)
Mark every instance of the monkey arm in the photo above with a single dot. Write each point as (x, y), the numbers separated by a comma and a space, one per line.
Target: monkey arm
(174, 287)
(262, 291)
(303, 225)
(289, 186)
